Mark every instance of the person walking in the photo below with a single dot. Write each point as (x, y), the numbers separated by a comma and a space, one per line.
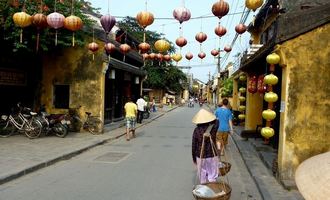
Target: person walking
(204, 152)
(141, 106)
(130, 115)
(224, 117)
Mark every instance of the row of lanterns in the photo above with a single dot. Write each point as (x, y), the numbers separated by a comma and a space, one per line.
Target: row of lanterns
(242, 98)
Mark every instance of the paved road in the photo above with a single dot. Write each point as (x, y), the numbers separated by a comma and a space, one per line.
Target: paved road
(155, 165)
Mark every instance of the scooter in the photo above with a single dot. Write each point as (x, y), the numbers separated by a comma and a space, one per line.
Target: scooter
(53, 123)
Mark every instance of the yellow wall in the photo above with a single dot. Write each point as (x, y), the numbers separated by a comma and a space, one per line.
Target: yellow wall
(254, 104)
(304, 127)
(74, 66)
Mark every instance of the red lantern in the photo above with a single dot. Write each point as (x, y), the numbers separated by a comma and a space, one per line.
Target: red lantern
(252, 85)
(220, 8)
(152, 56)
(227, 48)
(144, 47)
(109, 47)
(181, 41)
(93, 47)
(262, 88)
(201, 55)
(240, 28)
(220, 31)
(214, 52)
(167, 57)
(159, 56)
(201, 37)
(124, 48)
(40, 21)
(189, 56)
(145, 56)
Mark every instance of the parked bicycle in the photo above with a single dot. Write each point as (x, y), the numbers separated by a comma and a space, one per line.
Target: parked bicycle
(23, 121)
(93, 124)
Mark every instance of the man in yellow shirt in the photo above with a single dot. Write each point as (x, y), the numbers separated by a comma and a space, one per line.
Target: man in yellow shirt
(130, 115)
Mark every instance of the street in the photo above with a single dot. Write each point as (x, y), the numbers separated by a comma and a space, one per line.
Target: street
(157, 164)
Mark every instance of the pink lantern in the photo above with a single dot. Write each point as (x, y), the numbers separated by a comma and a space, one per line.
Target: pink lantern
(220, 31)
(201, 37)
(181, 41)
(167, 57)
(189, 56)
(56, 21)
(201, 55)
(227, 48)
(214, 52)
(181, 14)
(240, 28)
(109, 47)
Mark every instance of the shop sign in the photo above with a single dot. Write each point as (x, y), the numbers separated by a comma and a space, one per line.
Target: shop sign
(12, 77)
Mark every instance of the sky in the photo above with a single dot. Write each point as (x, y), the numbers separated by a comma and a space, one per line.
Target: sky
(201, 69)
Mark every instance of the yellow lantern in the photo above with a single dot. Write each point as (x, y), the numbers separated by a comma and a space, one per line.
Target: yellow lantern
(162, 45)
(242, 90)
(253, 4)
(242, 99)
(271, 97)
(22, 19)
(241, 116)
(176, 57)
(267, 132)
(241, 108)
(273, 58)
(268, 114)
(271, 79)
(145, 18)
(242, 77)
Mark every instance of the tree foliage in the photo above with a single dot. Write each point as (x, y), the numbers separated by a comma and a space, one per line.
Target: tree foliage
(10, 32)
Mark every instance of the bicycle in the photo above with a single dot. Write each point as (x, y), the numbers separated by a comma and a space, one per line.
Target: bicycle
(20, 122)
(93, 124)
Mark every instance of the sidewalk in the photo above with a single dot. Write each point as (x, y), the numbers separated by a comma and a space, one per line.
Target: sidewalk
(20, 155)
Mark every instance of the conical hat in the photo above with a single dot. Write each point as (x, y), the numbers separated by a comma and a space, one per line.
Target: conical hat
(203, 116)
(313, 177)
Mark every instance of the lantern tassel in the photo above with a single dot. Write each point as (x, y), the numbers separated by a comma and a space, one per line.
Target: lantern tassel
(124, 58)
(73, 39)
(55, 36)
(37, 45)
(93, 56)
(21, 36)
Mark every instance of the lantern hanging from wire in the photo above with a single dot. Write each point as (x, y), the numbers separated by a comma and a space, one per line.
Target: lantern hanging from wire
(109, 48)
(189, 56)
(177, 57)
(73, 23)
(39, 20)
(55, 20)
(220, 8)
(201, 55)
(240, 28)
(22, 19)
(107, 22)
(162, 45)
(124, 49)
(144, 47)
(227, 48)
(181, 41)
(144, 18)
(167, 58)
(152, 56)
(93, 47)
(201, 37)
(253, 4)
(145, 56)
(214, 52)
(220, 30)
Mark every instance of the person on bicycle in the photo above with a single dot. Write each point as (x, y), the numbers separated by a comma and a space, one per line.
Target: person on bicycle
(141, 106)
(130, 115)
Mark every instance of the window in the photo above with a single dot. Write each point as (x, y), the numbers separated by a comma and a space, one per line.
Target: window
(61, 96)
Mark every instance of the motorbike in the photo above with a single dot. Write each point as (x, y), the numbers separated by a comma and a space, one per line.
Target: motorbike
(146, 113)
(53, 123)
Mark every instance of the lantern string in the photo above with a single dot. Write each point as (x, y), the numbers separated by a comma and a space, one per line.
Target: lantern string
(146, 4)
(72, 7)
(182, 2)
(55, 37)
(37, 45)
(24, 4)
(55, 6)
(108, 6)
(93, 34)
(41, 4)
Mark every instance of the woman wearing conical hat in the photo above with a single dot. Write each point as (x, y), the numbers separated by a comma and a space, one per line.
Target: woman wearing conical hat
(205, 158)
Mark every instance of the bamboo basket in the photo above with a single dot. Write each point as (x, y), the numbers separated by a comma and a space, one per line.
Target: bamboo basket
(216, 187)
(223, 170)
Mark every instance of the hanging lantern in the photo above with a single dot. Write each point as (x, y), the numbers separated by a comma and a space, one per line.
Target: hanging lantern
(253, 4)
(93, 47)
(145, 56)
(167, 57)
(271, 79)
(214, 52)
(242, 90)
(181, 14)
(242, 77)
(240, 28)
(109, 47)
(270, 97)
(107, 22)
(241, 108)
(273, 58)
(144, 47)
(73, 23)
(267, 132)
(201, 55)
(176, 57)
(40, 21)
(152, 56)
(181, 41)
(162, 45)
(252, 85)
(220, 8)
(268, 114)
(220, 30)
(56, 21)
(145, 18)
(14, 3)
(189, 56)
(201, 37)
(124, 48)
(241, 116)
(22, 19)
(227, 48)
(159, 56)
(262, 88)
(241, 99)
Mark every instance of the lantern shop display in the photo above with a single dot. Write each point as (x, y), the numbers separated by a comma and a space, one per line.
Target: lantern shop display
(268, 114)
(262, 87)
(271, 97)
(252, 84)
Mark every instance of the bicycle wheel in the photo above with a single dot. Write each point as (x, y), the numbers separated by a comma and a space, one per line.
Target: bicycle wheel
(33, 130)
(6, 128)
(60, 130)
(94, 125)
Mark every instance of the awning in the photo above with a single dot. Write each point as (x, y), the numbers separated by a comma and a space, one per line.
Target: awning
(117, 64)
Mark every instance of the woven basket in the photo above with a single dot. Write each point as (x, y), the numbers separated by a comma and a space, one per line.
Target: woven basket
(223, 170)
(216, 187)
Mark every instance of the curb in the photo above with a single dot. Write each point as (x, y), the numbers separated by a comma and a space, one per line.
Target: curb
(67, 156)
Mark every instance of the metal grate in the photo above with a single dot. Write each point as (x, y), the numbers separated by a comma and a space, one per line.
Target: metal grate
(111, 157)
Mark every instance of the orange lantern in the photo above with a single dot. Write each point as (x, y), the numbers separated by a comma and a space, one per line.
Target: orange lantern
(144, 47)
(240, 28)
(220, 31)
(162, 45)
(93, 47)
(40, 21)
(181, 41)
(152, 56)
(252, 85)
(167, 57)
(159, 56)
(145, 56)
(145, 18)
(124, 48)
(73, 23)
(220, 8)
(201, 37)
(109, 47)
(22, 19)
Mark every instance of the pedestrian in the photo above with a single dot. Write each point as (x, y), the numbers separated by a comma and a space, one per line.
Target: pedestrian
(130, 115)
(153, 104)
(141, 106)
(204, 152)
(224, 115)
